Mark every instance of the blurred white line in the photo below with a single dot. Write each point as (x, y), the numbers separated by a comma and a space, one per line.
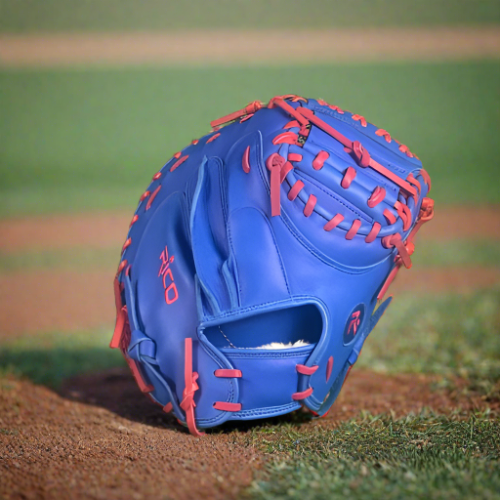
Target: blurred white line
(236, 47)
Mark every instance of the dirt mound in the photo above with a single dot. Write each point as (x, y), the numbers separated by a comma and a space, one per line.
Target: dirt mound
(101, 438)
(52, 447)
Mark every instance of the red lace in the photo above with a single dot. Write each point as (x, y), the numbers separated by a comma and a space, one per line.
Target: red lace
(121, 334)
(179, 162)
(406, 249)
(215, 136)
(247, 110)
(304, 370)
(360, 119)
(190, 387)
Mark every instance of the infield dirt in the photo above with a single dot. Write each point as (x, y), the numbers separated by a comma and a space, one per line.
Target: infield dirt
(99, 437)
(243, 47)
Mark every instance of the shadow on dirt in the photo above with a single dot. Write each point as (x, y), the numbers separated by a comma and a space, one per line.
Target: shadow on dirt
(116, 390)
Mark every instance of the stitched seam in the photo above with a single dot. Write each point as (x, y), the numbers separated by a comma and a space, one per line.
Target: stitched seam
(260, 306)
(357, 125)
(271, 356)
(264, 411)
(319, 256)
(306, 177)
(285, 278)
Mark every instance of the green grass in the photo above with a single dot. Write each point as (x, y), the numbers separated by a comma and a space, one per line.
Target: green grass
(422, 457)
(448, 334)
(116, 15)
(86, 139)
(52, 357)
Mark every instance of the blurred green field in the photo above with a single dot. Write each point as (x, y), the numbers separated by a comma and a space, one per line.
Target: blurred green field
(90, 139)
(107, 15)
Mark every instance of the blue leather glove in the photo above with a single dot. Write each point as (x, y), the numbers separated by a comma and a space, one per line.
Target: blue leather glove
(257, 257)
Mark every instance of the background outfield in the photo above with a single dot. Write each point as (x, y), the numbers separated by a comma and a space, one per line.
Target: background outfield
(419, 417)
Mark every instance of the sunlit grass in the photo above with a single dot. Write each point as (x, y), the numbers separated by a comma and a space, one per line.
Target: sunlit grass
(425, 457)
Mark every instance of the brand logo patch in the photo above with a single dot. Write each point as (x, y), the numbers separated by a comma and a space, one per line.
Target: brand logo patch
(171, 293)
(354, 323)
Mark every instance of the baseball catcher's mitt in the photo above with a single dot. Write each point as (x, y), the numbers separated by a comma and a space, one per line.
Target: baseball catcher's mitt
(256, 259)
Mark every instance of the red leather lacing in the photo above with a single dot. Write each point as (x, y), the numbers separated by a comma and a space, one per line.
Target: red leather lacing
(122, 266)
(394, 240)
(426, 177)
(286, 138)
(274, 164)
(329, 368)
(121, 334)
(297, 396)
(228, 373)
(127, 243)
(293, 98)
(404, 149)
(279, 168)
(373, 232)
(311, 203)
(383, 133)
(411, 179)
(320, 159)
(294, 157)
(391, 218)
(245, 161)
(331, 106)
(357, 150)
(135, 218)
(349, 176)
(333, 222)
(376, 197)
(247, 110)
(360, 119)
(296, 189)
(292, 124)
(406, 249)
(152, 197)
(353, 230)
(225, 406)
(178, 163)
(190, 388)
(306, 370)
(215, 136)
(287, 167)
(404, 213)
